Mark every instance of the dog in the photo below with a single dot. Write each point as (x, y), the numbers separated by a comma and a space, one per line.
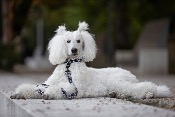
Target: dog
(70, 50)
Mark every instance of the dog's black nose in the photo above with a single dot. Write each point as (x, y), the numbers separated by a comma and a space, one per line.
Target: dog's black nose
(74, 50)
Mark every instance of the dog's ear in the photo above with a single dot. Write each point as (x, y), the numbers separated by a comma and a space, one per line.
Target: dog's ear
(57, 48)
(61, 30)
(82, 26)
(89, 52)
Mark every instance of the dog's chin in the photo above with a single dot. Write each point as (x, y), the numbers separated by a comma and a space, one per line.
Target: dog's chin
(73, 55)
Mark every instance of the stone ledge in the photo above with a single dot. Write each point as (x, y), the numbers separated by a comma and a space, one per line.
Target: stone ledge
(86, 107)
(9, 108)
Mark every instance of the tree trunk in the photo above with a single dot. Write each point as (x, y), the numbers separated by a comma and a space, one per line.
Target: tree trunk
(108, 45)
(7, 16)
(123, 23)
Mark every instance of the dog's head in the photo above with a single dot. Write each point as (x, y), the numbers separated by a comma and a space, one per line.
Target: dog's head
(72, 44)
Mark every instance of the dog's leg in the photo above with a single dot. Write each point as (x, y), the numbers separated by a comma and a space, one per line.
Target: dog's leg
(139, 90)
(28, 91)
(97, 90)
(149, 90)
(60, 91)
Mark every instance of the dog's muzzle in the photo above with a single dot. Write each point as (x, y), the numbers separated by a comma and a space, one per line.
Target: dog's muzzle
(74, 51)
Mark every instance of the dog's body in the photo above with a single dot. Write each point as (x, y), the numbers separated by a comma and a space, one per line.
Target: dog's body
(73, 79)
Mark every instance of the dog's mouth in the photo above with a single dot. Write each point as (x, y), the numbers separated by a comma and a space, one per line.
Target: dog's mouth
(74, 54)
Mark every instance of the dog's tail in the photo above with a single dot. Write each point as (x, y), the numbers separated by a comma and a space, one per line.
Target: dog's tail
(163, 91)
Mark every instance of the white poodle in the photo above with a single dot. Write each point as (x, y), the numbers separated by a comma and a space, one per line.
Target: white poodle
(69, 50)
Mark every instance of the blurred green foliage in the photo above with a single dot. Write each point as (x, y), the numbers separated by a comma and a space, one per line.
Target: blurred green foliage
(95, 12)
(9, 56)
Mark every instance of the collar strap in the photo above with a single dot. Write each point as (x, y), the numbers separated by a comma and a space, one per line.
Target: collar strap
(69, 61)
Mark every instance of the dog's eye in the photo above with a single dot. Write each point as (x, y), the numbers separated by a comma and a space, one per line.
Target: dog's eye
(68, 41)
(78, 41)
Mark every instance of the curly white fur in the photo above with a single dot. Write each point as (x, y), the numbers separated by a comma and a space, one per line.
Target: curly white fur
(90, 82)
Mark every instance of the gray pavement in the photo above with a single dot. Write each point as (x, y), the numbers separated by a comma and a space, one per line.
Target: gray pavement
(91, 107)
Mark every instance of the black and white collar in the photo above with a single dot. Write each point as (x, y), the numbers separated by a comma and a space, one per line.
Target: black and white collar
(69, 61)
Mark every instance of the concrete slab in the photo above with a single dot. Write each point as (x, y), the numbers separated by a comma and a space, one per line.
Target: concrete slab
(153, 61)
(87, 107)
(152, 47)
(154, 35)
(150, 54)
(8, 108)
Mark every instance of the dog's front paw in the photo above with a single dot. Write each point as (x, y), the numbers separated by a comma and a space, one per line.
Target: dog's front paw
(17, 96)
(68, 94)
(47, 97)
(112, 94)
(149, 95)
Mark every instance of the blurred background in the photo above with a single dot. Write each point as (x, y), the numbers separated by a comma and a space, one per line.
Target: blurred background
(138, 35)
